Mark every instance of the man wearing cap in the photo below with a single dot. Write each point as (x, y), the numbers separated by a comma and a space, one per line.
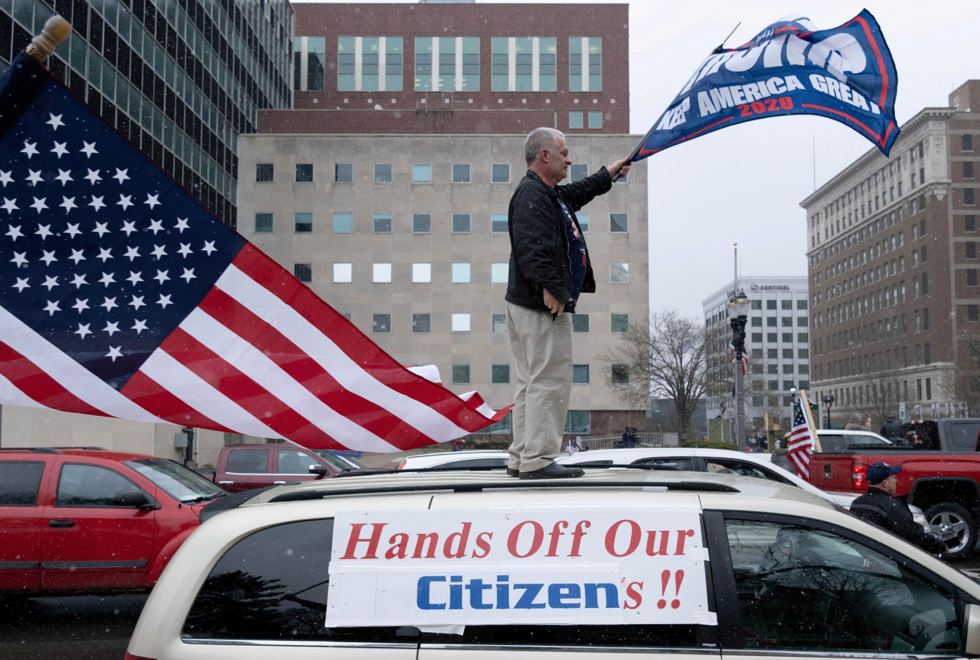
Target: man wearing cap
(879, 507)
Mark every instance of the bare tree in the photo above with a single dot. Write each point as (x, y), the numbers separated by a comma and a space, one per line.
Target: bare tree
(964, 382)
(882, 395)
(666, 360)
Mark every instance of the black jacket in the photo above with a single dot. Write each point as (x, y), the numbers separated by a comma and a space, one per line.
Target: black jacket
(891, 514)
(538, 244)
(890, 429)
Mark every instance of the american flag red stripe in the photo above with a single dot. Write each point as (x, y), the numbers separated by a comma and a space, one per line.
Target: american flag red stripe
(39, 386)
(148, 394)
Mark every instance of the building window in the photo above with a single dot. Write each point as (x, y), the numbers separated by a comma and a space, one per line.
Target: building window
(382, 273)
(973, 315)
(576, 121)
(421, 323)
(343, 223)
(925, 284)
(304, 172)
(970, 223)
(971, 249)
(787, 353)
(968, 169)
(619, 273)
(461, 322)
(421, 273)
(803, 337)
(971, 277)
(500, 173)
(772, 353)
(580, 322)
(342, 273)
(803, 353)
(773, 385)
(578, 172)
(619, 323)
(771, 337)
(583, 222)
(303, 223)
(263, 223)
(381, 64)
(966, 141)
(595, 120)
(343, 173)
(498, 323)
(421, 173)
(500, 374)
(585, 64)
(447, 64)
(786, 304)
(926, 354)
(264, 172)
(801, 321)
(772, 369)
(521, 77)
(499, 273)
(757, 337)
(461, 223)
(498, 223)
(619, 223)
(756, 305)
(580, 374)
(578, 422)
(421, 223)
(461, 273)
(968, 197)
(787, 369)
(770, 321)
(382, 223)
(787, 337)
(770, 304)
(303, 272)
(801, 304)
(382, 172)
(620, 374)
(461, 172)
(381, 323)
(309, 60)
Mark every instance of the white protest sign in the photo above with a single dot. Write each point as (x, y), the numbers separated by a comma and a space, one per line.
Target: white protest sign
(518, 565)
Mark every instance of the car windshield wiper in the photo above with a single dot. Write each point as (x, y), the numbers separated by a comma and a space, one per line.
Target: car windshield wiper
(204, 498)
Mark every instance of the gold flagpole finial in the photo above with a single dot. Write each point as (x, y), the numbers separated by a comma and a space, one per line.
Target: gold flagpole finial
(56, 30)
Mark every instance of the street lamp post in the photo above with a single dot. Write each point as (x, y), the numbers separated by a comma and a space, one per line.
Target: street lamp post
(738, 312)
(829, 402)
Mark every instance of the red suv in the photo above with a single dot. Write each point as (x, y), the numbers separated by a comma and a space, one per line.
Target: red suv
(89, 520)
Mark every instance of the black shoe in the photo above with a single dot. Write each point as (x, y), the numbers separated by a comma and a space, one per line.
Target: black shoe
(511, 472)
(553, 471)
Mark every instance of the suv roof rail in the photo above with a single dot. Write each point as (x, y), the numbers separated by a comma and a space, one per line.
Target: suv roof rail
(320, 493)
(46, 450)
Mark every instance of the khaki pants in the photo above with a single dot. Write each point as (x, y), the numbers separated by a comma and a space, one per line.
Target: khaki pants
(542, 351)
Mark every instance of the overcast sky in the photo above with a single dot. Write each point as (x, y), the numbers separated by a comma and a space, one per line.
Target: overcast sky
(745, 183)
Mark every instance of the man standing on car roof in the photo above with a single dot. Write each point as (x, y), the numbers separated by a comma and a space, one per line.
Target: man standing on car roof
(879, 507)
(549, 268)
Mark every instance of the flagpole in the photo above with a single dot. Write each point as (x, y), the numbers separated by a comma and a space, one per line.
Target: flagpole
(805, 403)
(55, 31)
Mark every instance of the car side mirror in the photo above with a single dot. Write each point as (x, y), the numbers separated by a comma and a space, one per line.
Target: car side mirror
(135, 499)
(319, 470)
(973, 630)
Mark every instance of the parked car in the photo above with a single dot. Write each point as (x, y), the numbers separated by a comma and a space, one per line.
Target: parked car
(468, 458)
(766, 569)
(940, 468)
(244, 467)
(92, 521)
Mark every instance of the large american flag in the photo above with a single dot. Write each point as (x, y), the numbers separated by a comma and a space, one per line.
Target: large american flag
(800, 441)
(122, 296)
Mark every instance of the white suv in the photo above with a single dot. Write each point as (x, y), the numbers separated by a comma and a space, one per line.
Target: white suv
(427, 566)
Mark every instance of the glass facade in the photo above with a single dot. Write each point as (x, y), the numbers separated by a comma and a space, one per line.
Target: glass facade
(179, 79)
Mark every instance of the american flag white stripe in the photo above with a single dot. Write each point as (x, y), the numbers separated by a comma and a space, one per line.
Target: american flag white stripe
(69, 374)
(257, 366)
(266, 305)
(801, 440)
(187, 386)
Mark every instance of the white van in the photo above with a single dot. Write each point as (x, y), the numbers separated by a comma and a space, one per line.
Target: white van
(618, 563)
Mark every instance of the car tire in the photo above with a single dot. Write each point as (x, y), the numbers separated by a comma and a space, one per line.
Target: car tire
(956, 515)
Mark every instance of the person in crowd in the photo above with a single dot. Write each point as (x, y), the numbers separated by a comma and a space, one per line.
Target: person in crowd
(890, 429)
(880, 507)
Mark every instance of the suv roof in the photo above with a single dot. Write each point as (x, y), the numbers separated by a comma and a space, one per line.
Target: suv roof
(466, 481)
(87, 452)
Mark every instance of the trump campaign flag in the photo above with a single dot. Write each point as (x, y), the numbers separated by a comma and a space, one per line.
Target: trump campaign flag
(122, 296)
(790, 68)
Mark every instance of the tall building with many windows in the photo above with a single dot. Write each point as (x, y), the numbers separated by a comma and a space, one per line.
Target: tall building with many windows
(181, 79)
(387, 188)
(777, 339)
(893, 270)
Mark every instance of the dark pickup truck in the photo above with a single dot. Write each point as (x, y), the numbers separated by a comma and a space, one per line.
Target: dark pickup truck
(940, 471)
(244, 467)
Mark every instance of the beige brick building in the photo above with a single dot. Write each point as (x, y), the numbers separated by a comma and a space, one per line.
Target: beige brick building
(407, 235)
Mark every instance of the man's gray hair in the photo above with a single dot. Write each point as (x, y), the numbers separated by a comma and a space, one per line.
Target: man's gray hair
(538, 139)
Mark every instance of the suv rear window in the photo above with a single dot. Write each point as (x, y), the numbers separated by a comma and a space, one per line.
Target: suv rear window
(273, 584)
(20, 482)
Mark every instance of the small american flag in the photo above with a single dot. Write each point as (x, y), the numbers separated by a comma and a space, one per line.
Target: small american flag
(800, 441)
(745, 357)
(121, 296)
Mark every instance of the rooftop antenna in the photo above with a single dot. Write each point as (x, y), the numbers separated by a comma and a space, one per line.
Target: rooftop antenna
(736, 269)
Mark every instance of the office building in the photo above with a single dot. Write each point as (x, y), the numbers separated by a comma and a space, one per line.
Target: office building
(387, 187)
(777, 340)
(892, 250)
